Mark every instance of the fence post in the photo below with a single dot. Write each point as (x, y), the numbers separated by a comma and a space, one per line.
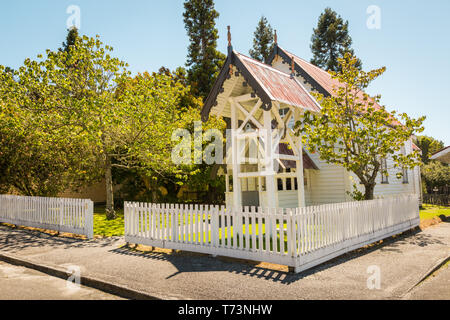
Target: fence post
(125, 218)
(89, 226)
(175, 209)
(61, 210)
(215, 227)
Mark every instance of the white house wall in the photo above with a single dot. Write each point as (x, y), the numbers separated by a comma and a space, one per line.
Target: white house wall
(328, 184)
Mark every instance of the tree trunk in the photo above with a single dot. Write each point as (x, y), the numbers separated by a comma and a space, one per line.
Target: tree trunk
(154, 186)
(110, 213)
(369, 189)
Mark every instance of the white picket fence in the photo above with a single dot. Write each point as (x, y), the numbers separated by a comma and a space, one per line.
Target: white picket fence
(60, 214)
(300, 238)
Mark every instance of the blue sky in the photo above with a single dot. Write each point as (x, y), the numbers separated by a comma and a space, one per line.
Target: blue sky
(412, 42)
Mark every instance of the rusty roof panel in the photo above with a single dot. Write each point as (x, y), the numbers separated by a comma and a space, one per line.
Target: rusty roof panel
(326, 81)
(279, 85)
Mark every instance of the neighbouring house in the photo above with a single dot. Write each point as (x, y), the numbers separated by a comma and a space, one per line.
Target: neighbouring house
(442, 155)
(266, 164)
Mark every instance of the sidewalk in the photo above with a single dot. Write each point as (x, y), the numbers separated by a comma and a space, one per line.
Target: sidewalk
(403, 261)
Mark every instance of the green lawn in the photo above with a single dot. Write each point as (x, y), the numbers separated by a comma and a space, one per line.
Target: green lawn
(430, 211)
(108, 228)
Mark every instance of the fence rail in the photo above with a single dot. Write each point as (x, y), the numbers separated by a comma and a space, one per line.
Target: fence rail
(300, 237)
(60, 214)
(437, 199)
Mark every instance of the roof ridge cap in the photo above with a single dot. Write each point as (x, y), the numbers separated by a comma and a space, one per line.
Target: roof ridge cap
(309, 63)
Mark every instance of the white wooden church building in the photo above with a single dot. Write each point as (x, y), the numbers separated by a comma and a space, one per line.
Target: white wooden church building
(266, 161)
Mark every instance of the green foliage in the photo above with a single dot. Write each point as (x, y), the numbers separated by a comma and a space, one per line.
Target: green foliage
(262, 41)
(36, 158)
(428, 145)
(72, 37)
(330, 41)
(81, 114)
(356, 194)
(436, 175)
(353, 132)
(203, 60)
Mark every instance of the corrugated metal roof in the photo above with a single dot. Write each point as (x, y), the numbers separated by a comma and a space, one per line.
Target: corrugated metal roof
(279, 85)
(325, 79)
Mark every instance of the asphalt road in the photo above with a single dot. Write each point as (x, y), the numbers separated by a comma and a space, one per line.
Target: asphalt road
(401, 263)
(19, 283)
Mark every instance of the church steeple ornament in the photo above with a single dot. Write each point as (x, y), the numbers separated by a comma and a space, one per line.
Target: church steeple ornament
(230, 47)
(292, 67)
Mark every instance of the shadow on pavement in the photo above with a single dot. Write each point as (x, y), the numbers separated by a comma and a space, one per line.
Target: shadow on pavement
(193, 262)
(186, 262)
(15, 239)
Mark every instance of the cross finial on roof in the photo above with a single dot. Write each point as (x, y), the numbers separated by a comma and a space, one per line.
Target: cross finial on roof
(275, 37)
(292, 67)
(230, 47)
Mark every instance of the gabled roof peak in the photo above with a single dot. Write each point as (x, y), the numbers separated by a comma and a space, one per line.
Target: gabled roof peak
(268, 83)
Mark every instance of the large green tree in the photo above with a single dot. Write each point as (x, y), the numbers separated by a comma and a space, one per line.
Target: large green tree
(35, 156)
(351, 131)
(71, 38)
(263, 41)
(204, 60)
(330, 41)
(428, 146)
(118, 121)
(436, 175)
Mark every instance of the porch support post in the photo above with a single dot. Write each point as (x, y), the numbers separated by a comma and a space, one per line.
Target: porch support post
(237, 195)
(299, 165)
(270, 173)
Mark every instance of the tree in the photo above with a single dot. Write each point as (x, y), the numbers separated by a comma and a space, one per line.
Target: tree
(330, 41)
(71, 38)
(204, 60)
(118, 121)
(262, 41)
(436, 175)
(35, 158)
(353, 132)
(428, 145)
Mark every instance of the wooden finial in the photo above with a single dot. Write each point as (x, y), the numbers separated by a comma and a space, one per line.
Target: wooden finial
(292, 66)
(229, 36)
(275, 37)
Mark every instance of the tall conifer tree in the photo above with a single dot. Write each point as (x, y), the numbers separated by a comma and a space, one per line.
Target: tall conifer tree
(203, 60)
(262, 41)
(72, 36)
(330, 41)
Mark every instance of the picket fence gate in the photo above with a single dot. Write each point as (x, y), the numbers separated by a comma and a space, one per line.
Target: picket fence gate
(300, 238)
(60, 214)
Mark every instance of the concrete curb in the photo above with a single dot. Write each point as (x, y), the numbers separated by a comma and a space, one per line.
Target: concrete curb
(432, 270)
(92, 282)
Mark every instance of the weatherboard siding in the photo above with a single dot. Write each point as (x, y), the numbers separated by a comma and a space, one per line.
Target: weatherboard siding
(327, 183)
